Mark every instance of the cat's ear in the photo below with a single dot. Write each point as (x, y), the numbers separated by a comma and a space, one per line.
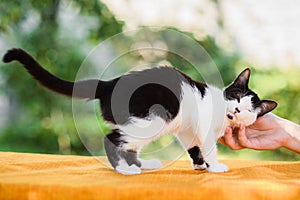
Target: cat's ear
(265, 106)
(243, 79)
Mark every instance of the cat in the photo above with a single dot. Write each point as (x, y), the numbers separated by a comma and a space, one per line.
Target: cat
(143, 105)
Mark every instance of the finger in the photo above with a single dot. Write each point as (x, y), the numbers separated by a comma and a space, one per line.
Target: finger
(230, 140)
(243, 140)
(221, 140)
(228, 136)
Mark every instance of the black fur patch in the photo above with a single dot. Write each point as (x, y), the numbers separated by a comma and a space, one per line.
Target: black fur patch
(113, 147)
(196, 155)
(130, 157)
(154, 91)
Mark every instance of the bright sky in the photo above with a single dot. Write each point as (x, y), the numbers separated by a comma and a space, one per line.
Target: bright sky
(265, 32)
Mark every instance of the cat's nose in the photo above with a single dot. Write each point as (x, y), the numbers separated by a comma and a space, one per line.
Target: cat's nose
(230, 116)
(237, 110)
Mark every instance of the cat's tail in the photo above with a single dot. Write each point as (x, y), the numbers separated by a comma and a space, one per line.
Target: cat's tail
(89, 89)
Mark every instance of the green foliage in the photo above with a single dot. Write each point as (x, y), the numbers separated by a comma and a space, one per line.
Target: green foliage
(108, 25)
(225, 63)
(34, 125)
(283, 85)
(25, 139)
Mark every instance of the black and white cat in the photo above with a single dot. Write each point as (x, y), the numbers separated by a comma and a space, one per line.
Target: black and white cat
(144, 105)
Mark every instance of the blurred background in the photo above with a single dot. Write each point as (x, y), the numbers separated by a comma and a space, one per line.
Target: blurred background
(261, 34)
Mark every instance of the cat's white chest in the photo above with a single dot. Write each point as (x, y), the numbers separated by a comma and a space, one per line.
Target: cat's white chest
(205, 114)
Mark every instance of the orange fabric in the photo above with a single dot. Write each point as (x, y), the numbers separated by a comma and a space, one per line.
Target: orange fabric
(36, 176)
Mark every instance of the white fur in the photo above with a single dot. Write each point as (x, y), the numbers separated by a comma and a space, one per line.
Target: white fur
(200, 121)
(124, 168)
(220, 167)
(153, 127)
(247, 115)
(150, 164)
(199, 167)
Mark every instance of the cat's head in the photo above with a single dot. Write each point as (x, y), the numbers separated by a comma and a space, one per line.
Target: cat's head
(243, 105)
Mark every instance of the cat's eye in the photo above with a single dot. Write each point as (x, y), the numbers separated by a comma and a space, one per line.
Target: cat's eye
(237, 96)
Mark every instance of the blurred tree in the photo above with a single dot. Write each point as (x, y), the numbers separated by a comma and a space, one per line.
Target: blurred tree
(43, 122)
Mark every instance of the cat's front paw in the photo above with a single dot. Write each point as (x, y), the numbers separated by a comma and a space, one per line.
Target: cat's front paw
(200, 167)
(217, 167)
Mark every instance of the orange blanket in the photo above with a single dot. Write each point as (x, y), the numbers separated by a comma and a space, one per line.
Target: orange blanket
(36, 176)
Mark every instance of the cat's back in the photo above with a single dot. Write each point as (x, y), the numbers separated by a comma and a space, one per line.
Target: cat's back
(155, 91)
(163, 75)
(150, 79)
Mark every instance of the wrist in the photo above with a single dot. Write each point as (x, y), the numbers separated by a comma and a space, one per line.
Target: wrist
(291, 138)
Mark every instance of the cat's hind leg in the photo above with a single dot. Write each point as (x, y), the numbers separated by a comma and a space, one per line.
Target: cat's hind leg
(124, 161)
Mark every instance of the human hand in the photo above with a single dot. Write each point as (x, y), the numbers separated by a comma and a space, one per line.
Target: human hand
(266, 133)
